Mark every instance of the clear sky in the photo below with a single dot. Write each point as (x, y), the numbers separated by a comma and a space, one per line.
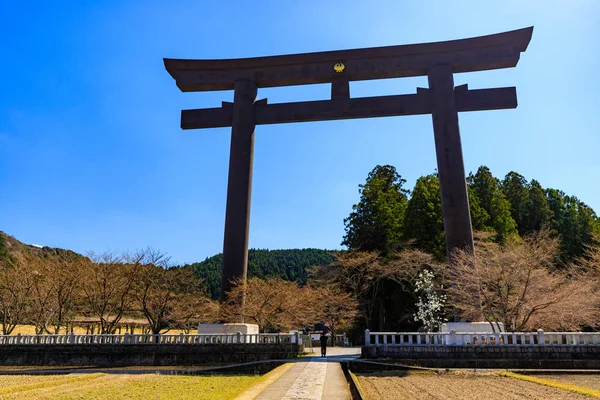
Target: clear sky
(92, 156)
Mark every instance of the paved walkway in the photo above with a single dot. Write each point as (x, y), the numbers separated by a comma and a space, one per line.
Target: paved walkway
(311, 378)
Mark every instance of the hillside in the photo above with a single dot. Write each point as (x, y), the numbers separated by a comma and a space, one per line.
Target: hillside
(11, 248)
(288, 264)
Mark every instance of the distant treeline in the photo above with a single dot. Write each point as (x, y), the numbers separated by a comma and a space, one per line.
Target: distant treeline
(289, 265)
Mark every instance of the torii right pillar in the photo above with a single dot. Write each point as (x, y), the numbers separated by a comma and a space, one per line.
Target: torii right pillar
(451, 170)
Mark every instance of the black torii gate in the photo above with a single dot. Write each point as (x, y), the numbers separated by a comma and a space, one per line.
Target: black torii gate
(438, 61)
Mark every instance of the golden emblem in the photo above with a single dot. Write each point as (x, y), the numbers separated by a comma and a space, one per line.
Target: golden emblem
(339, 67)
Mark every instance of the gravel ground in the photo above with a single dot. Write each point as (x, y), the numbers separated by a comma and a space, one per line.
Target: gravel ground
(455, 385)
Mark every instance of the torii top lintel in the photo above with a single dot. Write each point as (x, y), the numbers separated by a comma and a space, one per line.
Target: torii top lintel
(500, 50)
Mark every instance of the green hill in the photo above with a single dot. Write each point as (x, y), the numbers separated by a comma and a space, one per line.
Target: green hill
(288, 264)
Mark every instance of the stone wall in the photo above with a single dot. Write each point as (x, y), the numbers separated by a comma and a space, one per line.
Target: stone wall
(513, 357)
(109, 355)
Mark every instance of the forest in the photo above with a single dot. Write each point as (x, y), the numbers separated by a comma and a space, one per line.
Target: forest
(536, 264)
(536, 254)
(290, 265)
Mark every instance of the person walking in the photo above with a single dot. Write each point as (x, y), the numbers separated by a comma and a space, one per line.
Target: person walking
(323, 344)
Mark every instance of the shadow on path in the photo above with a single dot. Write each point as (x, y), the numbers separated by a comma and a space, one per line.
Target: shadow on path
(334, 355)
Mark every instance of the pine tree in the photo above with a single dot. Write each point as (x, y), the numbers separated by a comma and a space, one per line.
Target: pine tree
(515, 188)
(502, 221)
(484, 186)
(479, 217)
(487, 189)
(377, 221)
(537, 213)
(570, 231)
(424, 222)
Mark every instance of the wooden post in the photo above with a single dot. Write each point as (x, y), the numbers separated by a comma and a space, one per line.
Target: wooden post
(451, 170)
(239, 188)
(340, 88)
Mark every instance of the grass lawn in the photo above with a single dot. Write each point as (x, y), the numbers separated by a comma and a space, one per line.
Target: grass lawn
(103, 386)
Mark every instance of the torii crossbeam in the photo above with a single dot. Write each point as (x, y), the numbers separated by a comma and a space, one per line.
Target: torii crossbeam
(438, 61)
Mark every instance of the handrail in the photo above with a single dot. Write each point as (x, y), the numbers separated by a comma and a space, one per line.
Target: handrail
(453, 338)
(163, 339)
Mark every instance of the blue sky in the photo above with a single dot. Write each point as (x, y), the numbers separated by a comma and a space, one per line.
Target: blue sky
(92, 156)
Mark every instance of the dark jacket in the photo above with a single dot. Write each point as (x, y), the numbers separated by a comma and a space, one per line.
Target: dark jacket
(323, 341)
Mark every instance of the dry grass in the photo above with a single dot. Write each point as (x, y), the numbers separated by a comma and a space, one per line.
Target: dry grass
(87, 368)
(456, 385)
(30, 330)
(113, 387)
(590, 381)
(573, 383)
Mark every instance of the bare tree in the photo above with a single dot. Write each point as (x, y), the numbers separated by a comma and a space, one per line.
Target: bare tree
(154, 289)
(272, 304)
(108, 287)
(337, 308)
(191, 309)
(16, 284)
(66, 271)
(364, 274)
(590, 262)
(158, 290)
(359, 273)
(55, 280)
(518, 284)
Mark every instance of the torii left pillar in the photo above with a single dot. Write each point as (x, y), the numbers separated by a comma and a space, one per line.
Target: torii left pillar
(239, 189)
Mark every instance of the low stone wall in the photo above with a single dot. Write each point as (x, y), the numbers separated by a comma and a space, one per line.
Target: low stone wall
(109, 355)
(502, 357)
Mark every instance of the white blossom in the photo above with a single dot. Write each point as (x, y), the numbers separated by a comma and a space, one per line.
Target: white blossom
(430, 305)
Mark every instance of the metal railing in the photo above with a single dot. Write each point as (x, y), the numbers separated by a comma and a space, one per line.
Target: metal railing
(166, 339)
(452, 338)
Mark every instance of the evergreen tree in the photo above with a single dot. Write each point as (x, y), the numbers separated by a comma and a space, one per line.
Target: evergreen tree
(590, 226)
(570, 231)
(556, 203)
(377, 221)
(484, 186)
(487, 190)
(579, 227)
(502, 221)
(424, 222)
(288, 265)
(479, 217)
(538, 213)
(514, 187)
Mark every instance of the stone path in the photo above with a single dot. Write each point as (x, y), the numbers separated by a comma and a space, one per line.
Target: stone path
(313, 378)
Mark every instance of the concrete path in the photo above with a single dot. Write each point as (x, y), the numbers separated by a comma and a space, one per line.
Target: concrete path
(312, 378)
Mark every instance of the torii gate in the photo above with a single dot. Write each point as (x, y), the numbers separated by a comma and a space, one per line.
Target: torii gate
(438, 61)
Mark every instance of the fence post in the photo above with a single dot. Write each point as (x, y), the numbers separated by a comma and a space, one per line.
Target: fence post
(452, 338)
(541, 339)
(367, 337)
(72, 338)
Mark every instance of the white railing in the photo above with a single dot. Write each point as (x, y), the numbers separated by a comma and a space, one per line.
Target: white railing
(234, 338)
(452, 338)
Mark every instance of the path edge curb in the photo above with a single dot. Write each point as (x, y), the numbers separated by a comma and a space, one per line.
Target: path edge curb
(355, 389)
